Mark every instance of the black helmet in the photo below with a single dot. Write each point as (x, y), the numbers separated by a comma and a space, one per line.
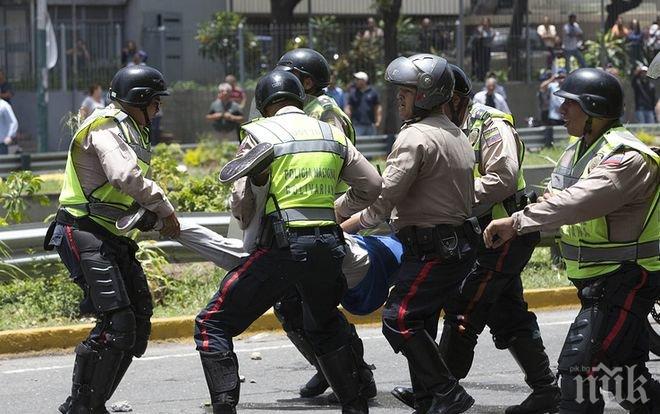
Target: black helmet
(599, 93)
(137, 85)
(277, 86)
(427, 73)
(462, 83)
(310, 63)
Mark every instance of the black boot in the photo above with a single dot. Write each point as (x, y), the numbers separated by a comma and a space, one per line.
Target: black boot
(94, 372)
(366, 375)
(432, 375)
(221, 372)
(317, 384)
(341, 370)
(405, 395)
(530, 355)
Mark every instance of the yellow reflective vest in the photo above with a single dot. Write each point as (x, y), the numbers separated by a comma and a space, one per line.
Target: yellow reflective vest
(480, 119)
(309, 157)
(104, 204)
(586, 247)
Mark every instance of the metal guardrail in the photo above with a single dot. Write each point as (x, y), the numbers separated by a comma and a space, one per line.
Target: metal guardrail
(371, 146)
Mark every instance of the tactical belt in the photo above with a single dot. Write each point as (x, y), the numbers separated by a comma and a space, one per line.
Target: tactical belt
(446, 241)
(86, 224)
(305, 214)
(617, 254)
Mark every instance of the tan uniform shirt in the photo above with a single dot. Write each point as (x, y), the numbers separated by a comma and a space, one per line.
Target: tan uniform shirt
(428, 177)
(360, 175)
(499, 163)
(104, 156)
(621, 188)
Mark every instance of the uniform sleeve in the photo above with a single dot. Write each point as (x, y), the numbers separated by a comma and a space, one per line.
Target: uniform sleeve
(333, 119)
(402, 167)
(499, 154)
(618, 180)
(242, 200)
(120, 166)
(363, 179)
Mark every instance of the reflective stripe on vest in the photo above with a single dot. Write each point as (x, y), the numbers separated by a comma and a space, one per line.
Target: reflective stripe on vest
(105, 203)
(479, 120)
(309, 156)
(585, 246)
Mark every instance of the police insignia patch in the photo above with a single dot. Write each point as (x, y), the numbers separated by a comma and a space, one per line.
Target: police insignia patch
(594, 162)
(492, 136)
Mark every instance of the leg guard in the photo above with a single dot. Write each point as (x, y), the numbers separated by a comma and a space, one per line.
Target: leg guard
(106, 286)
(530, 355)
(368, 385)
(457, 350)
(580, 392)
(251, 163)
(93, 375)
(341, 370)
(288, 311)
(430, 374)
(221, 372)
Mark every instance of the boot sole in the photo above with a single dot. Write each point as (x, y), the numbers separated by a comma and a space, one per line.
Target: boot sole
(403, 398)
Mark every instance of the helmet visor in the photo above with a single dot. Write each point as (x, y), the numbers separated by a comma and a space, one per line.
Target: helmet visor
(401, 71)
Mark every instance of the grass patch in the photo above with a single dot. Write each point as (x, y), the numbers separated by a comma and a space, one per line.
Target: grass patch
(53, 300)
(539, 273)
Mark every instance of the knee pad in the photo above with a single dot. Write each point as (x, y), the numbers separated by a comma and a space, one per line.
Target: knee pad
(120, 333)
(106, 286)
(142, 332)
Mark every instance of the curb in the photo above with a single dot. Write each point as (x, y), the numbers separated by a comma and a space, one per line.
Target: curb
(40, 339)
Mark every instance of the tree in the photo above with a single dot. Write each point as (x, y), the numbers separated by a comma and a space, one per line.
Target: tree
(390, 11)
(616, 8)
(282, 14)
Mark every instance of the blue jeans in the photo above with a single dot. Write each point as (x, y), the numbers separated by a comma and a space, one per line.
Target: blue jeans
(645, 116)
(361, 130)
(578, 56)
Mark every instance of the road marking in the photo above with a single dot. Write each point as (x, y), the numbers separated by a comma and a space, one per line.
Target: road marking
(196, 354)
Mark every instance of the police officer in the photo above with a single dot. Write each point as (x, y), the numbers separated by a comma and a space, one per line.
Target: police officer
(106, 177)
(301, 245)
(313, 71)
(492, 294)
(603, 196)
(428, 179)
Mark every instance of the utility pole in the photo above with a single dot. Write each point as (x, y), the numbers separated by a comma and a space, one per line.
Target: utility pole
(42, 79)
(460, 36)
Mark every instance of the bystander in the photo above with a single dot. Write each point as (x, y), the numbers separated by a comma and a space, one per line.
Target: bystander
(6, 91)
(482, 40)
(225, 114)
(237, 94)
(644, 91)
(548, 34)
(490, 97)
(335, 92)
(8, 126)
(550, 86)
(92, 101)
(364, 106)
(572, 42)
(619, 30)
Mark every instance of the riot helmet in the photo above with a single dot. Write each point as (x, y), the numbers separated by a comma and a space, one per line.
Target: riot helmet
(277, 86)
(308, 62)
(598, 93)
(137, 85)
(428, 74)
(460, 103)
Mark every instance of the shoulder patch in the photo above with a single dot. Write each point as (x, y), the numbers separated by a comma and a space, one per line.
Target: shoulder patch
(614, 159)
(492, 136)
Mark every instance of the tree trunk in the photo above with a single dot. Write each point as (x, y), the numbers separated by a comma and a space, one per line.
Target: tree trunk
(282, 12)
(516, 42)
(616, 8)
(390, 11)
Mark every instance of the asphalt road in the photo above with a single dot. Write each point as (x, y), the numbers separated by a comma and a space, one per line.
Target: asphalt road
(169, 378)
